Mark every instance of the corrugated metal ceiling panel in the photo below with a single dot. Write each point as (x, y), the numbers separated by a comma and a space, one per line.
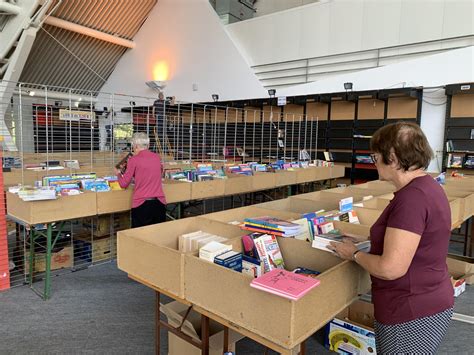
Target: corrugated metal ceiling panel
(70, 60)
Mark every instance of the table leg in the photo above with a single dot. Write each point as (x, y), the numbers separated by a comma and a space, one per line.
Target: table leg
(303, 348)
(47, 281)
(226, 339)
(471, 246)
(157, 324)
(32, 255)
(204, 335)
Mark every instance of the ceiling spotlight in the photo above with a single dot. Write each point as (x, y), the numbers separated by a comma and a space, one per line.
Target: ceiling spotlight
(272, 92)
(31, 93)
(132, 103)
(156, 84)
(348, 86)
(215, 97)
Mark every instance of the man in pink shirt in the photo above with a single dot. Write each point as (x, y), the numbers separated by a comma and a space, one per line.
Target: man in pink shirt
(144, 167)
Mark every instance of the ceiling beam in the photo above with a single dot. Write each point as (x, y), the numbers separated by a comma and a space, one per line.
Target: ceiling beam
(74, 27)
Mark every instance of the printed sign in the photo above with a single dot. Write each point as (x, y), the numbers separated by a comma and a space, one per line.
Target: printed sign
(73, 115)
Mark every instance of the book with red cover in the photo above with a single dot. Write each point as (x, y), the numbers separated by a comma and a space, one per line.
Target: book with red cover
(285, 284)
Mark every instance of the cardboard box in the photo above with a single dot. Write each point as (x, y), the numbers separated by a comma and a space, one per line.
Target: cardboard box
(151, 253)
(17, 176)
(459, 285)
(61, 209)
(207, 189)
(228, 294)
(308, 175)
(175, 311)
(93, 250)
(297, 204)
(114, 201)
(285, 178)
(263, 181)
(337, 171)
(461, 267)
(467, 200)
(104, 225)
(177, 191)
(351, 332)
(62, 259)
(376, 203)
(238, 184)
(239, 214)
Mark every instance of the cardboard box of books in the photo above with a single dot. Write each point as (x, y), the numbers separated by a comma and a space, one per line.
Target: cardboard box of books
(284, 178)
(308, 174)
(461, 267)
(374, 188)
(236, 216)
(177, 191)
(352, 332)
(60, 259)
(296, 204)
(238, 184)
(114, 201)
(376, 203)
(263, 181)
(152, 253)
(207, 189)
(16, 176)
(337, 171)
(175, 312)
(344, 192)
(60, 209)
(278, 319)
(467, 200)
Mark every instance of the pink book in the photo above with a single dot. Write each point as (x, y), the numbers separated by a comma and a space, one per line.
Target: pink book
(285, 284)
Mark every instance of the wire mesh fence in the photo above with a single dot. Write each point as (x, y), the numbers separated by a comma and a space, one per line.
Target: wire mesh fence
(51, 131)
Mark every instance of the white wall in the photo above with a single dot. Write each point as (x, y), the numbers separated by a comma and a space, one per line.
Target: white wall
(340, 26)
(433, 117)
(189, 37)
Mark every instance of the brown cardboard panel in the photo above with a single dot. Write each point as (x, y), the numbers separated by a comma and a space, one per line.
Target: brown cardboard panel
(263, 181)
(467, 200)
(457, 211)
(285, 178)
(271, 114)
(207, 189)
(151, 253)
(252, 114)
(460, 266)
(114, 201)
(239, 214)
(367, 216)
(16, 176)
(293, 109)
(337, 171)
(462, 105)
(177, 191)
(186, 116)
(370, 109)
(300, 205)
(402, 107)
(61, 209)
(237, 184)
(316, 111)
(376, 203)
(306, 174)
(254, 310)
(342, 110)
(352, 228)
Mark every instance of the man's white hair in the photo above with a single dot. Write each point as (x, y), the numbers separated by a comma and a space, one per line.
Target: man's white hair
(141, 140)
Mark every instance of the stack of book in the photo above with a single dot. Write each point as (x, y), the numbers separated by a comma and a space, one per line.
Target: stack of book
(285, 284)
(322, 241)
(37, 193)
(196, 240)
(212, 249)
(272, 225)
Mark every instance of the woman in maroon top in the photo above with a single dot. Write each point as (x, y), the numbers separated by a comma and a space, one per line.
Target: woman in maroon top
(411, 287)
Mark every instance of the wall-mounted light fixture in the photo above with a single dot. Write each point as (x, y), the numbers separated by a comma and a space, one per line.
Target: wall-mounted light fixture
(271, 92)
(156, 84)
(215, 97)
(348, 86)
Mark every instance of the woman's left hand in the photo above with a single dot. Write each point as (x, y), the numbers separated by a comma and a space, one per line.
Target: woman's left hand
(344, 250)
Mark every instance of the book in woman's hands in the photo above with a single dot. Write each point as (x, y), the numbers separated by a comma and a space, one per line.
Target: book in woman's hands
(322, 241)
(122, 164)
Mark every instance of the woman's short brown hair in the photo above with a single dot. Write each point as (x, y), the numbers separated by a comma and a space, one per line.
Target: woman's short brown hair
(407, 141)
